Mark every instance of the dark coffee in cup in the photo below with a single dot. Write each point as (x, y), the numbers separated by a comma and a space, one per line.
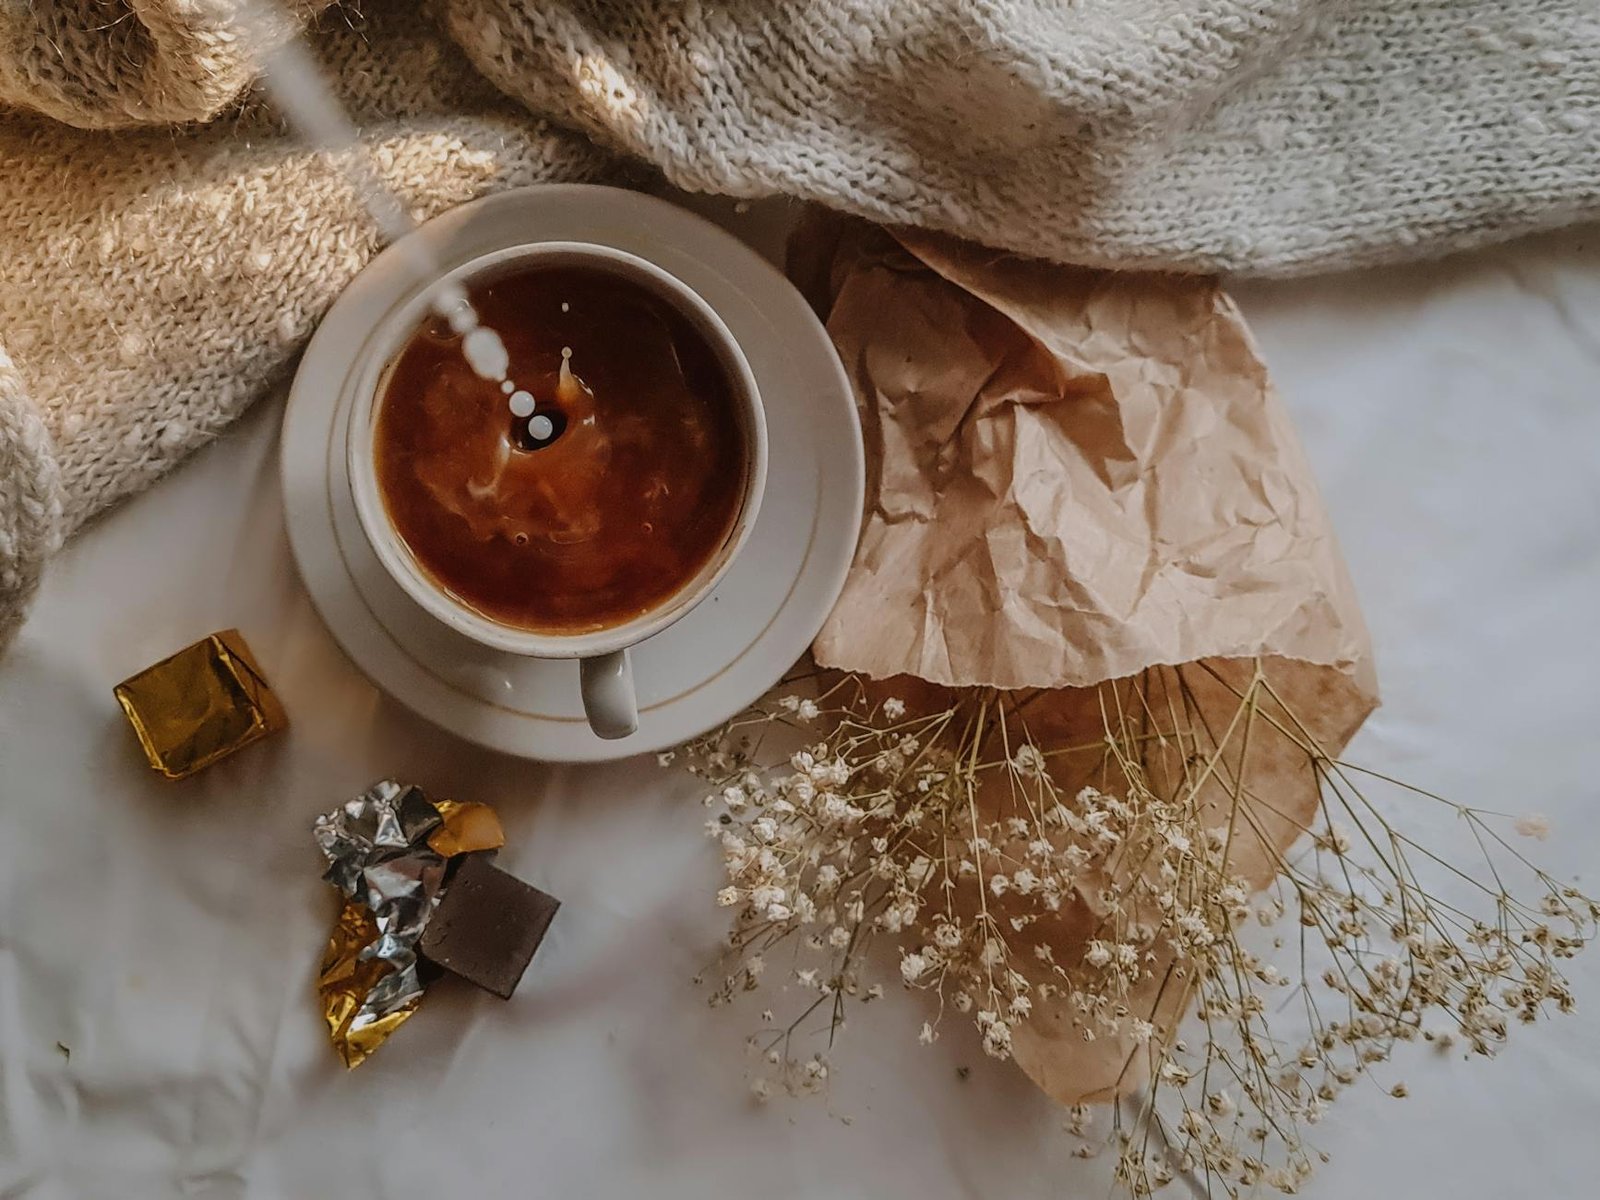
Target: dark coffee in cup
(620, 487)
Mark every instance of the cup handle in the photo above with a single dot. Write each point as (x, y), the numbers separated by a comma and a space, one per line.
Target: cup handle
(608, 697)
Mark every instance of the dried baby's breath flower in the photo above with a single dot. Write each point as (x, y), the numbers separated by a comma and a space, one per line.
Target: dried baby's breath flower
(948, 848)
(1533, 826)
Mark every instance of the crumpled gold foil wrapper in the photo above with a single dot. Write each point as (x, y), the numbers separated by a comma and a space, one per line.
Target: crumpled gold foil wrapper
(345, 981)
(200, 705)
(464, 828)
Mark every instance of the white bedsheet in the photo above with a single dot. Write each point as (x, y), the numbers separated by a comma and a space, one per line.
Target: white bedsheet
(166, 936)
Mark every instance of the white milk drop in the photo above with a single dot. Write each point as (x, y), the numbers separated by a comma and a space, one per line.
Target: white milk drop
(462, 319)
(481, 346)
(522, 406)
(541, 427)
(450, 302)
(486, 353)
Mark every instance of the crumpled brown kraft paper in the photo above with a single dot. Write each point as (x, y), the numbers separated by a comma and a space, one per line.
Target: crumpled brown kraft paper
(1075, 474)
(1082, 481)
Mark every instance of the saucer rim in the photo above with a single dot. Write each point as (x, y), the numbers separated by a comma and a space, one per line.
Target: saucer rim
(754, 281)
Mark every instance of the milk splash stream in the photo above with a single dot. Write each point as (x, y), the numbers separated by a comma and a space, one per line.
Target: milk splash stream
(300, 92)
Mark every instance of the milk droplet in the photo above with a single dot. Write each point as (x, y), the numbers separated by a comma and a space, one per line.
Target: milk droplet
(541, 426)
(565, 307)
(486, 353)
(522, 406)
(568, 387)
(507, 386)
(451, 303)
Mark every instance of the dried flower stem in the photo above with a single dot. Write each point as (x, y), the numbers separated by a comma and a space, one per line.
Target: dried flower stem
(1108, 885)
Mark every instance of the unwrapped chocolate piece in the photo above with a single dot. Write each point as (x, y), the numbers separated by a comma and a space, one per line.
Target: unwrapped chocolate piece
(487, 926)
(200, 705)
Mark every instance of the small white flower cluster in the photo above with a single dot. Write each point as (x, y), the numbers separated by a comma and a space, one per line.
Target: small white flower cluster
(948, 852)
(867, 835)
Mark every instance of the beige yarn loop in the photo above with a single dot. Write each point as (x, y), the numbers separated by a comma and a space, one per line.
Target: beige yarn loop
(98, 64)
(30, 499)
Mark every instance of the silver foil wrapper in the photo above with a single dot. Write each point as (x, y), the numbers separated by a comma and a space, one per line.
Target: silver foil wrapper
(378, 856)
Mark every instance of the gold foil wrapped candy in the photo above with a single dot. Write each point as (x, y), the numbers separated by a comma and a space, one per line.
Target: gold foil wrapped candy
(200, 705)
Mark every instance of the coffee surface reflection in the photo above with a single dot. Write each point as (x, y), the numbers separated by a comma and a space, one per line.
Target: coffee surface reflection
(619, 487)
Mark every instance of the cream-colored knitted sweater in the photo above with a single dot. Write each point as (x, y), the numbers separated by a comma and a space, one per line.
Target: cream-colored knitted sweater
(151, 283)
(155, 281)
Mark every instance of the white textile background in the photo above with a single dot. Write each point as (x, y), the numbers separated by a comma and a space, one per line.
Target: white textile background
(158, 1035)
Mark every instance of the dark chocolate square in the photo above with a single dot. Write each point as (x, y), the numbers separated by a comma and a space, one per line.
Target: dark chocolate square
(487, 926)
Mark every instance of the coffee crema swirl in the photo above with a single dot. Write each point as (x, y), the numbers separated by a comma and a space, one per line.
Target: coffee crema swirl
(607, 519)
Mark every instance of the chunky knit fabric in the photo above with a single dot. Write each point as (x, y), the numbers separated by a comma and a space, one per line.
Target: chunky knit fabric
(152, 282)
(108, 63)
(1269, 136)
(30, 499)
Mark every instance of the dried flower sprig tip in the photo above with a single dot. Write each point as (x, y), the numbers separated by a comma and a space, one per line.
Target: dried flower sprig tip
(1104, 881)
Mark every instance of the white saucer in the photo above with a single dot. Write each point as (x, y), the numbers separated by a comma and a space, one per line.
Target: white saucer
(718, 658)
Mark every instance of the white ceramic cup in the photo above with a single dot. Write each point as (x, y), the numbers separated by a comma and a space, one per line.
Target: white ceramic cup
(605, 671)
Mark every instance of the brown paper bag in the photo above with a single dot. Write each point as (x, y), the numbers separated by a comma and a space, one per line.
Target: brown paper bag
(1077, 477)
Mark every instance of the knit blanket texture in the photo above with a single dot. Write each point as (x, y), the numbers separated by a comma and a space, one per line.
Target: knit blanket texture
(166, 247)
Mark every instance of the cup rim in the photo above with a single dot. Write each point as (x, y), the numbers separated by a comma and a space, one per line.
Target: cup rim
(379, 353)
